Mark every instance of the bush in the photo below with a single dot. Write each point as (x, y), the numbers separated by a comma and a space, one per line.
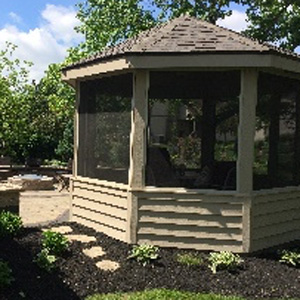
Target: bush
(45, 260)
(144, 254)
(224, 260)
(290, 258)
(6, 277)
(189, 259)
(55, 242)
(10, 224)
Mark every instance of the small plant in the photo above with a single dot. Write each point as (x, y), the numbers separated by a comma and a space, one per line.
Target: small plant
(45, 260)
(290, 258)
(189, 259)
(55, 242)
(224, 260)
(144, 254)
(10, 224)
(6, 277)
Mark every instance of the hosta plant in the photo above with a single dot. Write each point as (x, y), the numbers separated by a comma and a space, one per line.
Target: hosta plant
(45, 260)
(10, 224)
(144, 254)
(290, 258)
(224, 260)
(6, 277)
(55, 242)
(190, 259)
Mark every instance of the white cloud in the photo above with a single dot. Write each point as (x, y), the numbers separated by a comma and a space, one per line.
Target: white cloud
(61, 22)
(16, 18)
(45, 44)
(237, 21)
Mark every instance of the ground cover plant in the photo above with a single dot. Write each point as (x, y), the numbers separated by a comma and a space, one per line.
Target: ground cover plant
(76, 276)
(10, 224)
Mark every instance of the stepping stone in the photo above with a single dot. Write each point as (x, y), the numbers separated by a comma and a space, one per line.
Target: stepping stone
(94, 252)
(61, 229)
(80, 238)
(108, 265)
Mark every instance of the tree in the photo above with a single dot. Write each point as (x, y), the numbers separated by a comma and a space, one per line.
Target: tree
(275, 21)
(208, 10)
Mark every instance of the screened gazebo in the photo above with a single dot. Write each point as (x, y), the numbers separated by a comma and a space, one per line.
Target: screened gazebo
(188, 136)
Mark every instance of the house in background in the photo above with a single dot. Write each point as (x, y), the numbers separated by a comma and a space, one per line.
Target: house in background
(150, 165)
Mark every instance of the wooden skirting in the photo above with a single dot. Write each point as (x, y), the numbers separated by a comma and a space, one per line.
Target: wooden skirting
(275, 218)
(190, 220)
(100, 205)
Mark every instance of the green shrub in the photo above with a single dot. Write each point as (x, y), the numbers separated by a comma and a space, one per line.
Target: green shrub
(55, 242)
(144, 254)
(45, 260)
(290, 258)
(6, 277)
(10, 224)
(224, 260)
(189, 259)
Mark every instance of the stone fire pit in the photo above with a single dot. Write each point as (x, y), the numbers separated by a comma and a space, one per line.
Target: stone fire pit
(32, 182)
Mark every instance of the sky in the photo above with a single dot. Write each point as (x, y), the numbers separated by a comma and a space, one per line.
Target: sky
(43, 29)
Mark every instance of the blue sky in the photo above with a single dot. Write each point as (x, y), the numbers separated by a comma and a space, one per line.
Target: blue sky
(43, 29)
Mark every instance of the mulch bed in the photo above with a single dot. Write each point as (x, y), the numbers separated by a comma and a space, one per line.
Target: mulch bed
(77, 276)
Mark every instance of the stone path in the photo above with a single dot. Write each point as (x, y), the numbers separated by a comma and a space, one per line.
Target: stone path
(92, 252)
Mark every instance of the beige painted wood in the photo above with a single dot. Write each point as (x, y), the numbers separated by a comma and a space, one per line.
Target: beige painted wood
(100, 189)
(100, 217)
(114, 233)
(185, 219)
(246, 130)
(274, 207)
(105, 199)
(204, 209)
(104, 183)
(275, 240)
(76, 130)
(180, 232)
(138, 142)
(100, 207)
(247, 225)
(215, 60)
(276, 218)
(95, 68)
(192, 243)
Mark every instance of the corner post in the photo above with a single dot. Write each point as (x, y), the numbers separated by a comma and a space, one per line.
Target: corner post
(138, 149)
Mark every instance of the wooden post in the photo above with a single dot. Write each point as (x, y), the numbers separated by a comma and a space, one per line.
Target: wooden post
(246, 130)
(76, 130)
(138, 148)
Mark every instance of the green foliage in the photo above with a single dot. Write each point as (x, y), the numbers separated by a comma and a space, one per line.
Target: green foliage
(144, 254)
(209, 10)
(290, 258)
(10, 224)
(45, 260)
(54, 242)
(190, 259)
(274, 21)
(6, 277)
(160, 294)
(224, 260)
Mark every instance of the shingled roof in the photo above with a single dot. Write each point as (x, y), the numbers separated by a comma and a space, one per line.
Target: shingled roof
(187, 35)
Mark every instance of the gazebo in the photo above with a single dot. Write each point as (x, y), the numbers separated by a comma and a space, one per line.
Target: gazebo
(188, 136)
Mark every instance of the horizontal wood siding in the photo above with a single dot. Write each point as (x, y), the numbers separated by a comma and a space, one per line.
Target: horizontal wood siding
(275, 218)
(100, 205)
(190, 220)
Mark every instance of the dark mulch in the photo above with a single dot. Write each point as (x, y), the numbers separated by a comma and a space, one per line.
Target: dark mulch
(77, 275)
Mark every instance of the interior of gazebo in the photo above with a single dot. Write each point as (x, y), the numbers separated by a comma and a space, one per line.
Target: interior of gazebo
(192, 130)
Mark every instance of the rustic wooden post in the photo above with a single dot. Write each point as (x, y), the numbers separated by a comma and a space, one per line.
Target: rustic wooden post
(246, 130)
(138, 148)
